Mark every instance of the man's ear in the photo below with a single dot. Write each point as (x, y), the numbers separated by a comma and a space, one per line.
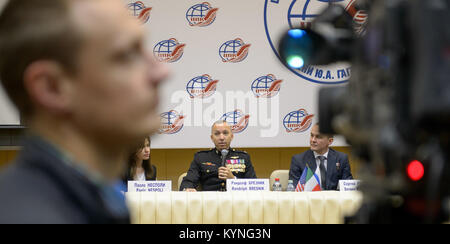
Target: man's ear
(48, 86)
(330, 141)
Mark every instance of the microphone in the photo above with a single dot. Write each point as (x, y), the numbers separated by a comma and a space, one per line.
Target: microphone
(224, 155)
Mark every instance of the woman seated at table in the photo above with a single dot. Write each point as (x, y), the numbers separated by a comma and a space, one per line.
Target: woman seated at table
(140, 167)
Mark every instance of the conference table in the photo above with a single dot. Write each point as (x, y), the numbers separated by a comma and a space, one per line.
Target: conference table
(260, 207)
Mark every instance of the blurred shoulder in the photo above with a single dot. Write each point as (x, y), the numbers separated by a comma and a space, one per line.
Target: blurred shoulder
(300, 156)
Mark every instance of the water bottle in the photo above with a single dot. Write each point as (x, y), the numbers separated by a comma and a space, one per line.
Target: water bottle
(290, 186)
(277, 185)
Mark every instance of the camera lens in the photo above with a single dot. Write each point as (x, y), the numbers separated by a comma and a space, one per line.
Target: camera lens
(297, 47)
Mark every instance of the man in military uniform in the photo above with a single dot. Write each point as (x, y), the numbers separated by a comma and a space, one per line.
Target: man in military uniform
(206, 169)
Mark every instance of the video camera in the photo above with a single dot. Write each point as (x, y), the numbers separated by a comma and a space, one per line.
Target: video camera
(395, 110)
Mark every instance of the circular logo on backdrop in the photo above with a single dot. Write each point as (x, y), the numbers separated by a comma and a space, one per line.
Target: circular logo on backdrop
(266, 86)
(234, 51)
(168, 51)
(280, 16)
(201, 14)
(297, 121)
(201, 86)
(171, 122)
(237, 119)
(140, 11)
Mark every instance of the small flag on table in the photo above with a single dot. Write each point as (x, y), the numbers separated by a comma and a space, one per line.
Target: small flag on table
(309, 181)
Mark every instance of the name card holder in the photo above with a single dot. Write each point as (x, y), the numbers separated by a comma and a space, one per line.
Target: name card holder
(349, 185)
(248, 185)
(149, 186)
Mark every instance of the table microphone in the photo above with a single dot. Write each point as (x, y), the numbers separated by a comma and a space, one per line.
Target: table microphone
(224, 155)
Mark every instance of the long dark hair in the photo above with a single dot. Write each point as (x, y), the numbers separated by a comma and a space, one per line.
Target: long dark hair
(146, 164)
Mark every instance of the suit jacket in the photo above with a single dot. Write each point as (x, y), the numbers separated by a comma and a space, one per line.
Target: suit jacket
(338, 167)
(43, 187)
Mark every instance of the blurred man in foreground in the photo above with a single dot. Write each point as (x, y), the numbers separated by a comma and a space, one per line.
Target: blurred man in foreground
(87, 90)
(207, 170)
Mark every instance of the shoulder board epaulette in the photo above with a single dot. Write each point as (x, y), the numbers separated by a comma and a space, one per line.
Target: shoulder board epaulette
(238, 151)
(205, 151)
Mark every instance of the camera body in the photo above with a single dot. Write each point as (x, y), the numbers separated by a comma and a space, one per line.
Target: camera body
(396, 106)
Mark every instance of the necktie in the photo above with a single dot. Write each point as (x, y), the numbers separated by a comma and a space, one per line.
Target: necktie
(323, 172)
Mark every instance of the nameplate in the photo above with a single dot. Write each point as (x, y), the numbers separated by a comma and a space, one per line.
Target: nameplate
(349, 185)
(149, 186)
(248, 185)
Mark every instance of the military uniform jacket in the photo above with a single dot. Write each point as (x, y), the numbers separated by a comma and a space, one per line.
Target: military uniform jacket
(204, 169)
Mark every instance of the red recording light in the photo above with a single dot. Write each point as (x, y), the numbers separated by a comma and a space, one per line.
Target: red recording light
(415, 170)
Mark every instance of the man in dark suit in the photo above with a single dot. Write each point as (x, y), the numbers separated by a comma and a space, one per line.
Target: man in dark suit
(333, 165)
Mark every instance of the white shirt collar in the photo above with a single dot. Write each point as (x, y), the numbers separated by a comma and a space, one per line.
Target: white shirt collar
(325, 154)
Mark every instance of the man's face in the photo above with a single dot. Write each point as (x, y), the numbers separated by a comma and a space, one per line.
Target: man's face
(319, 143)
(222, 136)
(115, 91)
